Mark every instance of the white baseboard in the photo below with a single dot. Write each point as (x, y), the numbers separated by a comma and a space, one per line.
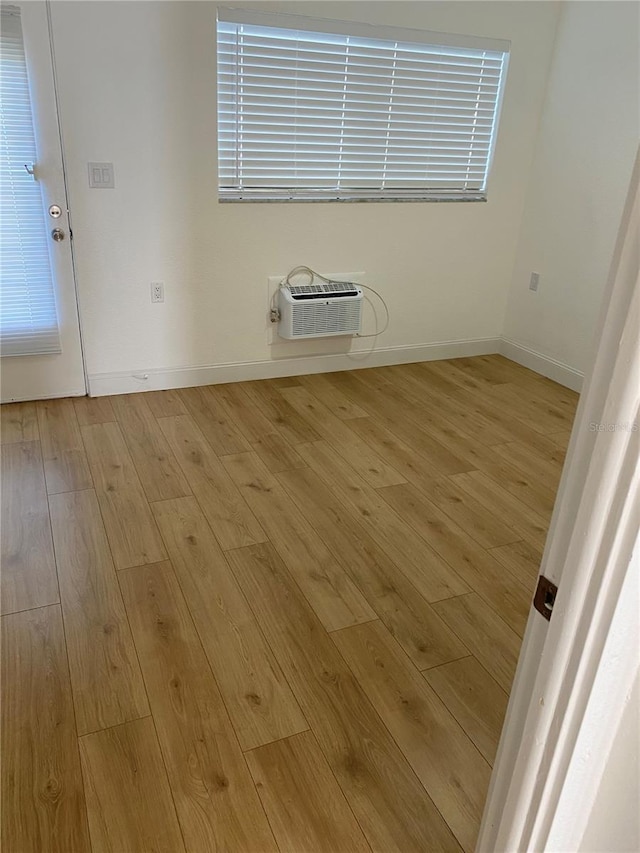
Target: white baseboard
(101, 384)
(29, 398)
(556, 370)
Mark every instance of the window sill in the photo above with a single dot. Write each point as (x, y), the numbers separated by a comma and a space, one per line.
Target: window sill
(251, 199)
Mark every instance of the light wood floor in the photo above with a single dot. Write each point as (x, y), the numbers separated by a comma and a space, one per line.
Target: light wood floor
(279, 615)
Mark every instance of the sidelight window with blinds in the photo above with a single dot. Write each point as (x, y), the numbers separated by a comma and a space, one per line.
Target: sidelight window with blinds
(324, 110)
(28, 316)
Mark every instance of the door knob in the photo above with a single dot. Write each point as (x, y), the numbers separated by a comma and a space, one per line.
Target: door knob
(57, 234)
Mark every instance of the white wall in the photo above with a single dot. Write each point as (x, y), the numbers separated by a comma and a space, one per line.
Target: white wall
(584, 157)
(614, 822)
(137, 87)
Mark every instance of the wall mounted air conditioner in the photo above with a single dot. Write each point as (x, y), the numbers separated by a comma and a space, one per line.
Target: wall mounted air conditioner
(319, 310)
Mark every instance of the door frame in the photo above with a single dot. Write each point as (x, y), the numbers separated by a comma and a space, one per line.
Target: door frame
(67, 201)
(575, 673)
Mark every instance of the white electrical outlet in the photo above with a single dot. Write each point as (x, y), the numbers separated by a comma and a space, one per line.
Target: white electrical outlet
(273, 283)
(534, 281)
(157, 291)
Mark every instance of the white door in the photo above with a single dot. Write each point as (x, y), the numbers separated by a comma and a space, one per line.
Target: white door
(39, 330)
(576, 674)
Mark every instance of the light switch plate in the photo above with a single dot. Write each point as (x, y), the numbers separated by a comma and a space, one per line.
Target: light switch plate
(101, 176)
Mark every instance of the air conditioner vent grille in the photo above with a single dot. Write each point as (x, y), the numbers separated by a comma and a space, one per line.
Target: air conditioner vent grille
(321, 319)
(333, 288)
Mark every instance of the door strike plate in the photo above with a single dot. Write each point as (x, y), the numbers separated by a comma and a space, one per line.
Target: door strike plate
(545, 597)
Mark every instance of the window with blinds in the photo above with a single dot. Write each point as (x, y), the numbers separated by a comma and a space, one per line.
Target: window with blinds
(28, 317)
(324, 110)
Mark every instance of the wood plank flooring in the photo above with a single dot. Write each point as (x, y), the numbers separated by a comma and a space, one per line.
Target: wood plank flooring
(270, 616)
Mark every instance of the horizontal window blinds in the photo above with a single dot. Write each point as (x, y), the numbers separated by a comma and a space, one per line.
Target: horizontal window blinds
(320, 115)
(28, 317)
